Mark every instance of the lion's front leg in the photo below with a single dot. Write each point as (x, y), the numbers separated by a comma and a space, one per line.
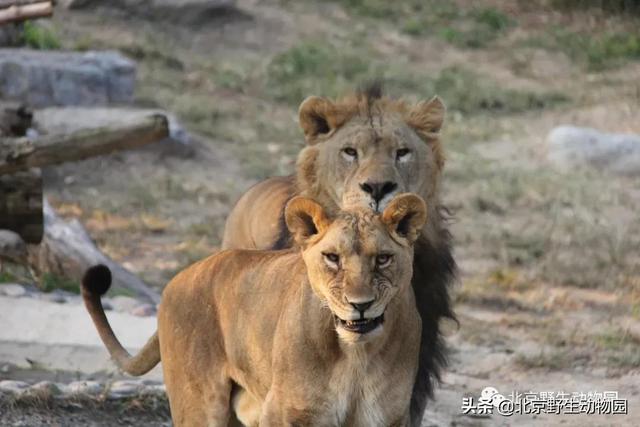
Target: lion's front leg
(278, 411)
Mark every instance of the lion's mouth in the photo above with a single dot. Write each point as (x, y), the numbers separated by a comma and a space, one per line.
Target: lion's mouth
(359, 326)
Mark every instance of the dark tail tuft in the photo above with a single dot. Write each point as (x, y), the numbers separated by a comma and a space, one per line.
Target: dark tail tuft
(97, 280)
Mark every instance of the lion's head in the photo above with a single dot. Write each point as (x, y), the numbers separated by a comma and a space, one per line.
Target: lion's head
(358, 262)
(365, 148)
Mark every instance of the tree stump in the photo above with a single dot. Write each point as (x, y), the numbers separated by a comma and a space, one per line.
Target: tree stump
(21, 204)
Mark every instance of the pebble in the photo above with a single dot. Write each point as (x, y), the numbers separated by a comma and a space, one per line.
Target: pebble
(13, 290)
(46, 387)
(124, 388)
(92, 388)
(53, 297)
(14, 387)
(153, 390)
(144, 310)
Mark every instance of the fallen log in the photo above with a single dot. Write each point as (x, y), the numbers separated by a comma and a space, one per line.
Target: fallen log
(8, 3)
(15, 119)
(67, 251)
(21, 153)
(22, 12)
(21, 204)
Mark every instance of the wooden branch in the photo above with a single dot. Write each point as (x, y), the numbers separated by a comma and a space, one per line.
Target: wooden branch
(15, 119)
(23, 12)
(22, 153)
(21, 204)
(67, 251)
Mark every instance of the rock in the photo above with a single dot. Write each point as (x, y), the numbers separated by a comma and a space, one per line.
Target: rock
(68, 119)
(54, 296)
(12, 247)
(13, 290)
(189, 12)
(144, 310)
(46, 388)
(91, 388)
(46, 78)
(123, 389)
(13, 387)
(154, 390)
(570, 147)
(123, 304)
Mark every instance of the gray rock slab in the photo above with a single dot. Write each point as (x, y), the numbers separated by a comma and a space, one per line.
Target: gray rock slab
(46, 78)
(571, 146)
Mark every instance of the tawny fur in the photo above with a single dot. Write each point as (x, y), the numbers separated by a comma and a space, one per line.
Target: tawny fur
(254, 331)
(377, 126)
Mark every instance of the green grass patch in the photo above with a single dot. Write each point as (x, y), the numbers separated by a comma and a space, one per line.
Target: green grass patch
(468, 28)
(316, 67)
(468, 92)
(595, 52)
(50, 282)
(7, 277)
(39, 37)
(475, 29)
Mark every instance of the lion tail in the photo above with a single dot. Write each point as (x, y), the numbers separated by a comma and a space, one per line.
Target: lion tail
(95, 283)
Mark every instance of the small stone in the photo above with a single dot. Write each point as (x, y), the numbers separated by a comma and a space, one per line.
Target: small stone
(13, 290)
(92, 388)
(154, 390)
(144, 310)
(45, 388)
(14, 387)
(123, 389)
(54, 297)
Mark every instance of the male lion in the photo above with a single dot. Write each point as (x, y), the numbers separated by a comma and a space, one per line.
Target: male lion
(362, 150)
(324, 335)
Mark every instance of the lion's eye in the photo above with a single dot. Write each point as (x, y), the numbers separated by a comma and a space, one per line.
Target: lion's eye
(350, 153)
(383, 260)
(331, 259)
(402, 152)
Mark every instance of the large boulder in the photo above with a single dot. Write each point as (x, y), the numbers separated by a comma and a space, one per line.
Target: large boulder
(45, 78)
(570, 147)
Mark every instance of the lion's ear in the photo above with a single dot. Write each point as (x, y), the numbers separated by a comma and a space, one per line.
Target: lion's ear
(305, 218)
(405, 216)
(318, 116)
(427, 117)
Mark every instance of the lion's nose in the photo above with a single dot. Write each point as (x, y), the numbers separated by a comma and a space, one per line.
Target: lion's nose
(362, 306)
(378, 189)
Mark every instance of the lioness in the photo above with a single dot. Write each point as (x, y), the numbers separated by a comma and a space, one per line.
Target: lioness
(323, 335)
(361, 151)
